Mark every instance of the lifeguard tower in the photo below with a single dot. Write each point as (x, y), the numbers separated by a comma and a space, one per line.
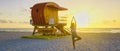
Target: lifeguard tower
(45, 18)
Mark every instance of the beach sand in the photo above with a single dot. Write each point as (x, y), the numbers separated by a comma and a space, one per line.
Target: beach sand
(12, 41)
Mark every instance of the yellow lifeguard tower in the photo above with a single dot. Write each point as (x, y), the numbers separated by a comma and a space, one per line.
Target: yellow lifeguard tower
(45, 18)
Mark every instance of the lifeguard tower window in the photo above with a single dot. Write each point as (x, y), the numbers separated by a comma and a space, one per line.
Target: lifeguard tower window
(37, 10)
(51, 20)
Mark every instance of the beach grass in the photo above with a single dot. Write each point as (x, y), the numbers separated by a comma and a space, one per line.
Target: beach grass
(42, 37)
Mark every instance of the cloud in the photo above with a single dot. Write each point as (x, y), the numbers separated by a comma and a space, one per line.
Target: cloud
(6, 21)
(1, 13)
(9, 21)
(12, 21)
(3, 21)
(24, 10)
(114, 21)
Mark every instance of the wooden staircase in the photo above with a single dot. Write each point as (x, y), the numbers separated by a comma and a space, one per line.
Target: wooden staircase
(61, 28)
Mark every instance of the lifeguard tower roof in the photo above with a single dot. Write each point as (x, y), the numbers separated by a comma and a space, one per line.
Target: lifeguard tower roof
(42, 12)
(49, 4)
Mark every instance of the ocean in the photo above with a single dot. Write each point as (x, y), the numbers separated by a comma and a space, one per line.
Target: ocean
(99, 30)
(16, 29)
(80, 30)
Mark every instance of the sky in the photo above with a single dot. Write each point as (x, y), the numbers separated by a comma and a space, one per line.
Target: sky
(88, 13)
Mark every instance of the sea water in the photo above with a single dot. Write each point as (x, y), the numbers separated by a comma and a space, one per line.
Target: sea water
(81, 30)
(99, 30)
(16, 29)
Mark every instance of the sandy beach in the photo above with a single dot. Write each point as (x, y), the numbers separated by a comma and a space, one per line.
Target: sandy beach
(12, 41)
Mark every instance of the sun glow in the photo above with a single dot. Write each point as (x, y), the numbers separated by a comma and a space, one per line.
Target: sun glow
(82, 19)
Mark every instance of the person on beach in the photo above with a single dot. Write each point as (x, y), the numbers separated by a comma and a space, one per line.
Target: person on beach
(75, 37)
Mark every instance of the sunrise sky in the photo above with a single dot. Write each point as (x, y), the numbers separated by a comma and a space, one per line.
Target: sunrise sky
(88, 13)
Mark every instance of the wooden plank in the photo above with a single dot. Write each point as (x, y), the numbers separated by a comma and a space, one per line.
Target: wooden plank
(46, 29)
